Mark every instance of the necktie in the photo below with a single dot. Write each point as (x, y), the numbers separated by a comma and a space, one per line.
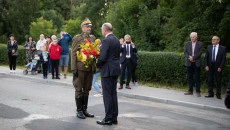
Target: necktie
(127, 50)
(213, 54)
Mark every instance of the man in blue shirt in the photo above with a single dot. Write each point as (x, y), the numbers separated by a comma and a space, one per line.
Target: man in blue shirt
(64, 43)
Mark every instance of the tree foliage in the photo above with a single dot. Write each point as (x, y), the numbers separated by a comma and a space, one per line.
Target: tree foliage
(41, 26)
(154, 25)
(72, 26)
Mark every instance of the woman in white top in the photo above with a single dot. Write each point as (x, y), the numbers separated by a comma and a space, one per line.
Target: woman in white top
(40, 43)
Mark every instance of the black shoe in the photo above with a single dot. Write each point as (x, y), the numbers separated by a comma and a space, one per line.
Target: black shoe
(52, 77)
(85, 105)
(88, 114)
(57, 78)
(115, 122)
(103, 122)
(209, 96)
(218, 97)
(80, 115)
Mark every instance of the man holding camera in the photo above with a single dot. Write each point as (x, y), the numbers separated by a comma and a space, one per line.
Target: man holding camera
(127, 59)
(64, 43)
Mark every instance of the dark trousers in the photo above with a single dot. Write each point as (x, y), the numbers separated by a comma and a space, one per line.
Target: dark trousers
(49, 66)
(82, 83)
(45, 68)
(211, 73)
(127, 64)
(190, 71)
(55, 64)
(134, 78)
(12, 61)
(109, 89)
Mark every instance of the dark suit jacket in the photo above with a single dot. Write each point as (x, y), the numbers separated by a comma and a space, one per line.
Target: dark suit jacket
(132, 51)
(197, 53)
(227, 98)
(220, 58)
(109, 57)
(11, 47)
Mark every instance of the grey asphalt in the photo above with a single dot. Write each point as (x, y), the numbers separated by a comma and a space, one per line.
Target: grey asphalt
(34, 105)
(138, 92)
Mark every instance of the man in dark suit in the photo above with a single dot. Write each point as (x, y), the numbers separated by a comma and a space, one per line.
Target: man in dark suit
(192, 52)
(227, 98)
(214, 63)
(127, 59)
(110, 69)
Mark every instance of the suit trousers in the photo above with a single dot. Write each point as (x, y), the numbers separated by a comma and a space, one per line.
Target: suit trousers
(134, 78)
(127, 64)
(211, 73)
(109, 89)
(82, 83)
(190, 71)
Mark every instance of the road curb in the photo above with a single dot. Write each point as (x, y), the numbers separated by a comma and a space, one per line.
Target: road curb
(130, 95)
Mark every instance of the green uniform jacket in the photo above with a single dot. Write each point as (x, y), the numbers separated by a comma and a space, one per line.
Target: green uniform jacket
(76, 64)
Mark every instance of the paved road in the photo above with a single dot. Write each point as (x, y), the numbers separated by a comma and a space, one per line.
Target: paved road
(41, 106)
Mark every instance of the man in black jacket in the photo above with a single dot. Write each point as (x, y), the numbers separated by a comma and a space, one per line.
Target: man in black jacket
(127, 59)
(110, 69)
(192, 52)
(214, 63)
(227, 98)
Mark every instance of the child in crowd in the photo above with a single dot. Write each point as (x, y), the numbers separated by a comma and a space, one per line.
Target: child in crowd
(44, 60)
(55, 52)
(32, 63)
(97, 86)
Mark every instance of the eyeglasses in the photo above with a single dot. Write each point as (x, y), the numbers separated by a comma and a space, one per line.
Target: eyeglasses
(214, 39)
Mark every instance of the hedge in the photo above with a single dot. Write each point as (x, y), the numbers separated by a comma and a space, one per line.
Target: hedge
(169, 67)
(162, 67)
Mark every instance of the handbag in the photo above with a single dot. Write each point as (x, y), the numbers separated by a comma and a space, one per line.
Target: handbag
(15, 53)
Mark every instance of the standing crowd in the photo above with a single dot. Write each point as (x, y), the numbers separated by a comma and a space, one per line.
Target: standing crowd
(48, 54)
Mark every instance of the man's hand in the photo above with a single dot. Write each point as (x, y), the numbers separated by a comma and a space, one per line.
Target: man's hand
(190, 58)
(33, 49)
(132, 44)
(46, 60)
(75, 72)
(207, 68)
(27, 48)
(13, 51)
(219, 69)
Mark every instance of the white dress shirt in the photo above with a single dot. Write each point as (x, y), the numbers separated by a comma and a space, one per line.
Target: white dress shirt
(216, 50)
(128, 56)
(108, 34)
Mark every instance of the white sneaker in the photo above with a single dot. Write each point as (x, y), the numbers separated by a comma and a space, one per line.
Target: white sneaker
(60, 74)
(98, 95)
(11, 71)
(14, 72)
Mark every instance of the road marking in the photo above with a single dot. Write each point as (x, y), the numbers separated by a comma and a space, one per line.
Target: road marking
(35, 117)
(132, 115)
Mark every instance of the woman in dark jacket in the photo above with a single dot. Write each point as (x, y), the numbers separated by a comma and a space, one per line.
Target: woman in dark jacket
(12, 47)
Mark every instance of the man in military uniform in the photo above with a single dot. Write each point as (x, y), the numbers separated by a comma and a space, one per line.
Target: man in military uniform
(82, 76)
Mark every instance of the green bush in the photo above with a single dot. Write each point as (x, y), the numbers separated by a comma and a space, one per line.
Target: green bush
(21, 59)
(162, 67)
